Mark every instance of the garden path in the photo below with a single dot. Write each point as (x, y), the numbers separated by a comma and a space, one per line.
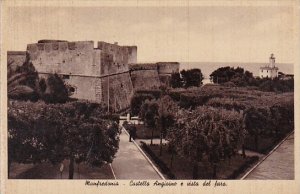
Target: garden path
(278, 165)
(130, 163)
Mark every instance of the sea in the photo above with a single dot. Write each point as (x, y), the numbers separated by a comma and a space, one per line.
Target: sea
(208, 67)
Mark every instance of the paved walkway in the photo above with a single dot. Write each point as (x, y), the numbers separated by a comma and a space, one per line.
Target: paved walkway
(278, 165)
(130, 163)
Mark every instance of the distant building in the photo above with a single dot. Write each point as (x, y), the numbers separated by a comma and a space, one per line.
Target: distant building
(269, 71)
(283, 76)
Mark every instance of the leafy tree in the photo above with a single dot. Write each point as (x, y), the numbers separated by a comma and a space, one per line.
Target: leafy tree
(256, 121)
(137, 101)
(230, 74)
(282, 118)
(56, 90)
(159, 113)
(176, 81)
(191, 77)
(208, 133)
(149, 114)
(39, 132)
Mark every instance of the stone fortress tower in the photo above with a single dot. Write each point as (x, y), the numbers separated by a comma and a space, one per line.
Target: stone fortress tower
(108, 73)
(269, 71)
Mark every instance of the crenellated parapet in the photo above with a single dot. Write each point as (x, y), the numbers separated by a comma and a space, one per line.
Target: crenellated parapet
(108, 73)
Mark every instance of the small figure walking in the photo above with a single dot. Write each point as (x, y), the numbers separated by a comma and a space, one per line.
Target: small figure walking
(132, 132)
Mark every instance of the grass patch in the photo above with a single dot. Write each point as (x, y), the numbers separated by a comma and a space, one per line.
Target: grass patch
(183, 168)
(49, 171)
(264, 144)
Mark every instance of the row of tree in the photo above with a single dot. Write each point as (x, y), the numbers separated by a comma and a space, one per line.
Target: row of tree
(231, 76)
(76, 131)
(217, 129)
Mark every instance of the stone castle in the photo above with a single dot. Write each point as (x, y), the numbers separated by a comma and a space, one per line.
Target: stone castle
(109, 73)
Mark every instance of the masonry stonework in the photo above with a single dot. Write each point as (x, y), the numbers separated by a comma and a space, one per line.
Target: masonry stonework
(144, 76)
(109, 73)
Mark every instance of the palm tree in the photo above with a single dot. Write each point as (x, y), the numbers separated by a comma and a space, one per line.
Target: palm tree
(22, 82)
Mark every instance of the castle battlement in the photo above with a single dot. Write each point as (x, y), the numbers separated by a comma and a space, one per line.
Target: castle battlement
(108, 73)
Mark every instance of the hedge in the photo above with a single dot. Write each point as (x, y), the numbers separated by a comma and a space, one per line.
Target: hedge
(162, 166)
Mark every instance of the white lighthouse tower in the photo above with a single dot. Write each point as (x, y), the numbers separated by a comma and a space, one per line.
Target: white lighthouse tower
(269, 71)
(272, 61)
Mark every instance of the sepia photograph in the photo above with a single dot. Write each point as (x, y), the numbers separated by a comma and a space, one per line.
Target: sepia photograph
(138, 92)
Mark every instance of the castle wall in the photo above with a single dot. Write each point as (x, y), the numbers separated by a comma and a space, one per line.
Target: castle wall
(87, 88)
(165, 70)
(167, 67)
(144, 76)
(120, 56)
(65, 57)
(132, 54)
(14, 60)
(106, 73)
(120, 90)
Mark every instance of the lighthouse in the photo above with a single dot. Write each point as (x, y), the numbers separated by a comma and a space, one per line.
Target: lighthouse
(272, 61)
(270, 70)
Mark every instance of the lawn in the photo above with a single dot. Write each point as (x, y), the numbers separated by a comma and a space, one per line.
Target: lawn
(183, 169)
(49, 171)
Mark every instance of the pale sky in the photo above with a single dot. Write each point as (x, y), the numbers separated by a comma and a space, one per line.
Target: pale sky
(205, 33)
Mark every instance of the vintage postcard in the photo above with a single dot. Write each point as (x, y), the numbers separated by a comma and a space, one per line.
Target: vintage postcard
(149, 96)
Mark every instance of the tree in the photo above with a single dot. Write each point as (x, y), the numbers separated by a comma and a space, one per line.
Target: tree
(191, 77)
(22, 83)
(256, 122)
(207, 132)
(39, 132)
(176, 81)
(25, 84)
(166, 114)
(56, 90)
(230, 74)
(149, 114)
(137, 101)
